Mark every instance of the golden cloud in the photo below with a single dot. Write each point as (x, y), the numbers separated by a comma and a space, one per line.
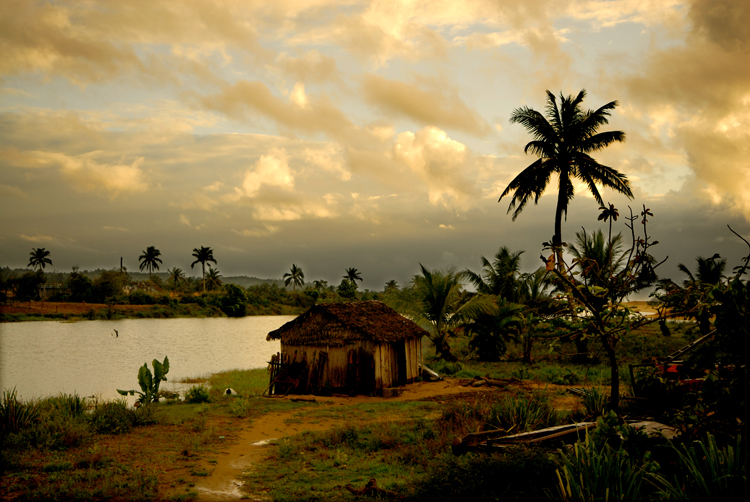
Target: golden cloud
(439, 106)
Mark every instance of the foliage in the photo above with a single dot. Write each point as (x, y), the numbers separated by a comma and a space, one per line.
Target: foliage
(197, 394)
(295, 277)
(109, 285)
(599, 472)
(150, 259)
(16, 415)
(233, 302)
(490, 334)
(595, 402)
(112, 417)
(27, 286)
(203, 255)
(353, 275)
(437, 302)
(80, 287)
(563, 141)
(501, 276)
(149, 383)
(39, 258)
(601, 290)
(708, 472)
(347, 289)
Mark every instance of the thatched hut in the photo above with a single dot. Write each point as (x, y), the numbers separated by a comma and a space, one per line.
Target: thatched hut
(359, 347)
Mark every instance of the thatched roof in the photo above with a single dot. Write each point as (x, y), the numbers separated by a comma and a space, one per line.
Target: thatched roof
(340, 323)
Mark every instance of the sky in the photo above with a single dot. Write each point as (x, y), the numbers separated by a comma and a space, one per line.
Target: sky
(365, 134)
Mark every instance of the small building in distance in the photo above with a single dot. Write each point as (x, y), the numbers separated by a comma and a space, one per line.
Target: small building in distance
(357, 348)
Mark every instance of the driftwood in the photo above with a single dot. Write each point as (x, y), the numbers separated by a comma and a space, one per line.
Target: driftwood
(302, 399)
(371, 490)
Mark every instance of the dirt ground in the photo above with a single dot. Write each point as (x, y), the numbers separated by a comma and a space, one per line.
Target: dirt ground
(250, 444)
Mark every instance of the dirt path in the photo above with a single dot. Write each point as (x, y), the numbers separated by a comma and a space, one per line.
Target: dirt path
(252, 446)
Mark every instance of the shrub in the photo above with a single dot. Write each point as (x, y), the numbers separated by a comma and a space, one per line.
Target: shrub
(595, 402)
(197, 394)
(112, 417)
(234, 301)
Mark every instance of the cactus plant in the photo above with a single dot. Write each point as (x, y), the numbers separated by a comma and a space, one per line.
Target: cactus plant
(149, 382)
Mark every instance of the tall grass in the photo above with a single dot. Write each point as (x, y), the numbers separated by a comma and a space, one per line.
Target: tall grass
(708, 472)
(592, 472)
(16, 415)
(244, 382)
(513, 414)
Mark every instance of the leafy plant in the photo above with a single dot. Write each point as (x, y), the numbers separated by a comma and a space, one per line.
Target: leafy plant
(598, 472)
(16, 415)
(595, 402)
(149, 383)
(197, 394)
(112, 417)
(708, 472)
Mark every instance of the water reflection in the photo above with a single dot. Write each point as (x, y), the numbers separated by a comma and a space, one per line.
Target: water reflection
(45, 358)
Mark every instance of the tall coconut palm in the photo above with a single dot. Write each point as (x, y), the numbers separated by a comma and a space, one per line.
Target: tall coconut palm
(150, 260)
(39, 258)
(563, 141)
(500, 275)
(295, 277)
(353, 275)
(437, 301)
(203, 255)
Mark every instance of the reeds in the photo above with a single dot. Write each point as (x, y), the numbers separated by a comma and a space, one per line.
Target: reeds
(16, 415)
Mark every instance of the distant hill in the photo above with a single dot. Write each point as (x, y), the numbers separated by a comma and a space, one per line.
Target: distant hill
(240, 280)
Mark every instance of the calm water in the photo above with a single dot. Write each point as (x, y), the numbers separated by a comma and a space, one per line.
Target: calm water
(45, 358)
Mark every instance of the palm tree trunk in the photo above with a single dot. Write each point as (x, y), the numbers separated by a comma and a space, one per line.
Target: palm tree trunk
(557, 238)
(203, 268)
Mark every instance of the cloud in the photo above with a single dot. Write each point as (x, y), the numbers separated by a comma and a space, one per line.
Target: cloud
(12, 191)
(695, 97)
(310, 67)
(439, 106)
(86, 173)
(270, 170)
(440, 163)
(266, 230)
(38, 239)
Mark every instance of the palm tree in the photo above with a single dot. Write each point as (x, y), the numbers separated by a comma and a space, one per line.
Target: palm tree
(353, 275)
(212, 279)
(390, 286)
(708, 273)
(150, 260)
(436, 301)
(295, 277)
(500, 275)
(39, 258)
(203, 255)
(563, 144)
(176, 275)
(598, 260)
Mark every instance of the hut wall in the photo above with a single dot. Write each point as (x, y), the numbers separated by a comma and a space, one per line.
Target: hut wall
(371, 374)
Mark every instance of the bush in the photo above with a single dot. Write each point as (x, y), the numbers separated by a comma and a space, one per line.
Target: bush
(112, 417)
(197, 394)
(234, 301)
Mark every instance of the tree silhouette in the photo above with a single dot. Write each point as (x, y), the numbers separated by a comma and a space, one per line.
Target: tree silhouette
(295, 277)
(213, 280)
(150, 260)
(500, 276)
(563, 144)
(39, 258)
(436, 301)
(176, 275)
(353, 275)
(203, 255)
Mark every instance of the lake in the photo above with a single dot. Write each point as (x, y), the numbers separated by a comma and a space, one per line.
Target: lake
(42, 359)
